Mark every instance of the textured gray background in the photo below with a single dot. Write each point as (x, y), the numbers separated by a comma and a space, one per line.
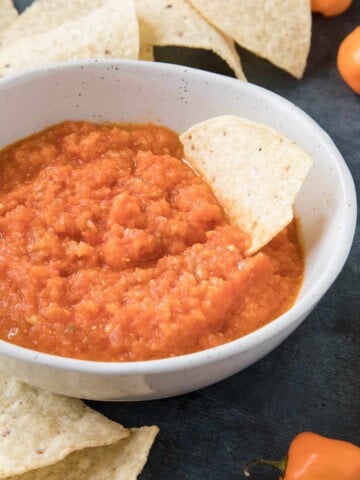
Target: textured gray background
(311, 382)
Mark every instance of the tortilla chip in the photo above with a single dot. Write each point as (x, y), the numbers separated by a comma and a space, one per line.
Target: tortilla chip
(108, 31)
(254, 171)
(38, 428)
(176, 22)
(44, 15)
(124, 460)
(146, 52)
(278, 30)
(8, 14)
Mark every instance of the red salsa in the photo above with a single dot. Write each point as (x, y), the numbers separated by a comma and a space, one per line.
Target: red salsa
(113, 249)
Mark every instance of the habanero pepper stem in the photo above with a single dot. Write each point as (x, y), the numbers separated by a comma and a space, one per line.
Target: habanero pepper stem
(313, 457)
(278, 464)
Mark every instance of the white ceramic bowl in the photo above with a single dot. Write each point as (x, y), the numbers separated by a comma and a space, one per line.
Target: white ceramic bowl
(179, 97)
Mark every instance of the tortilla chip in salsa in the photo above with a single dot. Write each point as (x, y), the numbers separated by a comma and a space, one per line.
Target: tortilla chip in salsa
(254, 171)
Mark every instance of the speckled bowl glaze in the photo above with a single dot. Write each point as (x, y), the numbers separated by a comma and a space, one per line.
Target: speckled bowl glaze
(178, 97)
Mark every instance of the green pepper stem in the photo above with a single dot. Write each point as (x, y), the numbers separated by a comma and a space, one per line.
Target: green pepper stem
(279, 464)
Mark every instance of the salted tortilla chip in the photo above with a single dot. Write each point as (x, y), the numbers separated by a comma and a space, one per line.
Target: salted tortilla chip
(8, 14)
(176, 22)
(44, 15)
(254, 171)
(38, 428)
(124, 460)
(146, 52)
(278, 30)
(108, 31)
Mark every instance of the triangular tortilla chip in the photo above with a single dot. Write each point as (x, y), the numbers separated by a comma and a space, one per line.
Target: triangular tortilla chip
(278, 30)
(176, 22)
(108, 31)
(8, 14)
(44, 15)
(124, 460)
(38, 428)
(254, 171)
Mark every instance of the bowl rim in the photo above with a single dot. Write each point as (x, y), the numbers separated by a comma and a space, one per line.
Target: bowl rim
(243, 344)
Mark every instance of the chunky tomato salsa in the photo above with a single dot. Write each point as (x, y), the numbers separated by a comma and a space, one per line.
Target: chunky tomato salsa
(113, 249)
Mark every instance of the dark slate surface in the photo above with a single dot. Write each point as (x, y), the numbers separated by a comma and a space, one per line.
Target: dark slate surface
(311, 382)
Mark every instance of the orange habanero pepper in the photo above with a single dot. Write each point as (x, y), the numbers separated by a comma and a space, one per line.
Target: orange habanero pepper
(330, 8)
(313, 457)
(348, 59)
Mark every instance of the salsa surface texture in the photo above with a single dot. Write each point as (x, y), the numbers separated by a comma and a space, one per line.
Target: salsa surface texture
(113, 249)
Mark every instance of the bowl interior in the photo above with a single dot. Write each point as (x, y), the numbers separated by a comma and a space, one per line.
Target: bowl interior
(178, 98)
